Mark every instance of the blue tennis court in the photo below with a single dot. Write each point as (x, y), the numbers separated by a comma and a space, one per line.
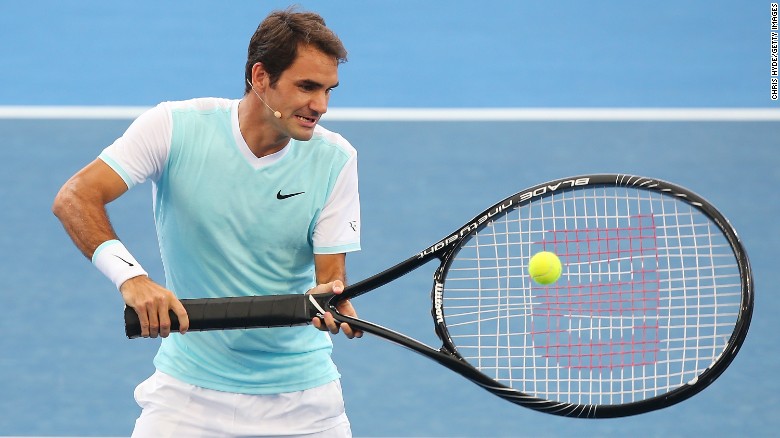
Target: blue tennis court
(66, 368)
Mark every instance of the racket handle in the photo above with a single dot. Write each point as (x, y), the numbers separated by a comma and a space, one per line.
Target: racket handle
(239, 312)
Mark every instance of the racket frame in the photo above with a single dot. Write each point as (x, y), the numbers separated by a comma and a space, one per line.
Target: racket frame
(447, 248)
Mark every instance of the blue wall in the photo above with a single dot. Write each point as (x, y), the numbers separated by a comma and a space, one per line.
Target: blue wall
(406, 53)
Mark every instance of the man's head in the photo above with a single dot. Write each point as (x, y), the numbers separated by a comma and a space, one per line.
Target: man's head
(277, 40)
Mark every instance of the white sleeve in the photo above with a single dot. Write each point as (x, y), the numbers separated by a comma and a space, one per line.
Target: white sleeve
(142, 151)
(338, 227)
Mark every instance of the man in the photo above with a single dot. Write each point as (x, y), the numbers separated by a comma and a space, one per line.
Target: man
(251, 197)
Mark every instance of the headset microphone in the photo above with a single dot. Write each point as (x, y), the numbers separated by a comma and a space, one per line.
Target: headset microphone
(277, 114)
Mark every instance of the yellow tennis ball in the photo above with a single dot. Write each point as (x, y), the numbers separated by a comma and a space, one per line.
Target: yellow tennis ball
(545, 267)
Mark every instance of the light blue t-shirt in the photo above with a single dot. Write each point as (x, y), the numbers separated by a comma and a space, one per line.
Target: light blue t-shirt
(230, 227)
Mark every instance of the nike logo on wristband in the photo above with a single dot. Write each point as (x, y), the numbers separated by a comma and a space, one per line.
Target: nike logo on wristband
(279, 195)
(120, 258)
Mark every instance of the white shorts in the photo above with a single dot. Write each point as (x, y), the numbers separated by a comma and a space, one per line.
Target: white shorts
(172, 408)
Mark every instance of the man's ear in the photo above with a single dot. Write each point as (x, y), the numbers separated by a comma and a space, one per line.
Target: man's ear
(260, 77)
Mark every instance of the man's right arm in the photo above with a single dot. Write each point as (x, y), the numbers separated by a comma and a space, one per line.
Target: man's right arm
(81, 207)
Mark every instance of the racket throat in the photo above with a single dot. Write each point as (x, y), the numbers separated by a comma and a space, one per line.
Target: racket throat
(320, 311)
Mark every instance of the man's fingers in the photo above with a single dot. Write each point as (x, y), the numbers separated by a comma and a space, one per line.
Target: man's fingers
(327, 322)
(165, 321)
(347, 330)
(154, 321)
(331, 323)
(155, 318)
(143, 319)
(350, 332)
(152, 304)
(181, 314)
(336, 286)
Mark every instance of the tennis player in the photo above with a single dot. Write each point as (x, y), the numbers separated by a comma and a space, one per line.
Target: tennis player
(250, 197)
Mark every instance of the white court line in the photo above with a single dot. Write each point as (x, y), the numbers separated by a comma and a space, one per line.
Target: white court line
(437, 114)
(71, 112)
(553, 114)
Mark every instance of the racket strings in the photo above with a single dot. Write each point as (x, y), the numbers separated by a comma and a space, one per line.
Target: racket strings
(649, 296)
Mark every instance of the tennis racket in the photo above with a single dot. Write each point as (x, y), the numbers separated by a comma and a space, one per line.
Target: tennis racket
(654, 301)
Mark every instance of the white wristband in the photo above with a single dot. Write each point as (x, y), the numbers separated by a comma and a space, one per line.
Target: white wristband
(115, 262)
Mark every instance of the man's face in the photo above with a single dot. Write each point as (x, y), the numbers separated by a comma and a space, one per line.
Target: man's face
(302, 92)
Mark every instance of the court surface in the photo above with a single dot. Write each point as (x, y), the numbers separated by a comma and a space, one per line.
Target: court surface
(66, 368)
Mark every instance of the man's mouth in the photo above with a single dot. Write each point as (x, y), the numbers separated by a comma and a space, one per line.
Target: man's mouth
(308, 120)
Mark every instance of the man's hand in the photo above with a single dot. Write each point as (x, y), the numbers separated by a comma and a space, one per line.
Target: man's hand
(152, 303)
(328, 323)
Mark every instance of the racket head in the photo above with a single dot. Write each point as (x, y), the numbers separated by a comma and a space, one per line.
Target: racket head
(654, 302)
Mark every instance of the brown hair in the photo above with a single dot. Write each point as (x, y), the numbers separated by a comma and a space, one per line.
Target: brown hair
(275, 42)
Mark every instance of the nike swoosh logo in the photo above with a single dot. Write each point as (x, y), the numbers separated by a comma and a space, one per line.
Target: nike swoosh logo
(120, 258)
(279, 195)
